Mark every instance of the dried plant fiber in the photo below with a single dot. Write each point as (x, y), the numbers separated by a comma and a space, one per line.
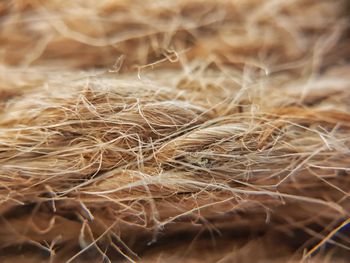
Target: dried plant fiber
(174, 131)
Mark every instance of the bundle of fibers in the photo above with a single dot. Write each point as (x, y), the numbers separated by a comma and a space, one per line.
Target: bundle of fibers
(174, 131)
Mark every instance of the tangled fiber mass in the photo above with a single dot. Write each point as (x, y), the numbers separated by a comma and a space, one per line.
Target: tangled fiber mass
(174, 131)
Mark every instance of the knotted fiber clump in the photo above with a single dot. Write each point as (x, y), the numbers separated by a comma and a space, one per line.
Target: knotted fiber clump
(174, 131)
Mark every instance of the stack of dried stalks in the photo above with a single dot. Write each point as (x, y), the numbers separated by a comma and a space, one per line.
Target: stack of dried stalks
(174, 131)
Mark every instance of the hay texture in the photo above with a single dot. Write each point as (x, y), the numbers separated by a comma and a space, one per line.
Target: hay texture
(174, 131)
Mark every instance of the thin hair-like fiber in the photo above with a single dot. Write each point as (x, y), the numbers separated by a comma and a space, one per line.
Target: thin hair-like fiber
(174, 131)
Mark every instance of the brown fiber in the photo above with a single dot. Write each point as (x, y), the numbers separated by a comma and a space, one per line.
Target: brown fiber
(174, 131)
